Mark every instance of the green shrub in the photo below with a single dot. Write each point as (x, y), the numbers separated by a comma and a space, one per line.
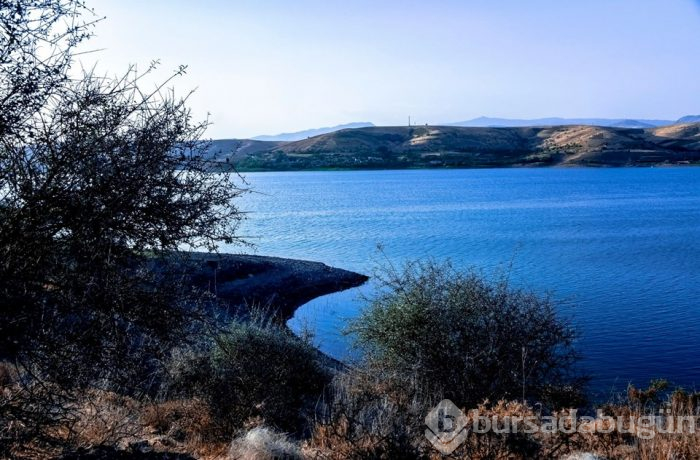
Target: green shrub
(466, 338)
(254, 371)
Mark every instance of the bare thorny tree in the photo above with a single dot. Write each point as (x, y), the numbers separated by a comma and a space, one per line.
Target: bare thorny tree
(99, 180)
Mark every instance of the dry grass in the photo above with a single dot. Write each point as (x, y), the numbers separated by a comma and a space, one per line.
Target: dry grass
(262, 443)
(617, 444)
(98, 419)
(364, 424)
(361, 417)
(185, 425)
(28, 429)
(105, 418)
(364, 416)
(336, 442)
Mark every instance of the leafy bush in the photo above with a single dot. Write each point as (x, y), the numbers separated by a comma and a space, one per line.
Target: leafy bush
(467, 338)
(253, 371)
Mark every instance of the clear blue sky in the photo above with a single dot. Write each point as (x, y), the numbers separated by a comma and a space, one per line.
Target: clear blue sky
(267, 66)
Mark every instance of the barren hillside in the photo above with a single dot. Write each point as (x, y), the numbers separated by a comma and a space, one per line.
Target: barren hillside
(451, 146)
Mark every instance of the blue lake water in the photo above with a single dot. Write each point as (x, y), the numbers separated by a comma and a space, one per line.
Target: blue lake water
(619, 248)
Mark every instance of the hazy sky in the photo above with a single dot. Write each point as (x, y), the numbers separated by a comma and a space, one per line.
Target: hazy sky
(267, 66)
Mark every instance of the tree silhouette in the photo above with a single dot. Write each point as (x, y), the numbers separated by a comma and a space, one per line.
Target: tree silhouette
(100, 182)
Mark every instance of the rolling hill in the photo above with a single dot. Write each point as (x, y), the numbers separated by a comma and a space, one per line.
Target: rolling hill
(290, 137)
(689, 119)
(453, 146)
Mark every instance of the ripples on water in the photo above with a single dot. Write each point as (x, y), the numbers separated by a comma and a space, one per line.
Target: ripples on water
(619, 247)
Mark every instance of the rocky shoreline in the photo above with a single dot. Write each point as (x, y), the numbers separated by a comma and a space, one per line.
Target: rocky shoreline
(273, 283)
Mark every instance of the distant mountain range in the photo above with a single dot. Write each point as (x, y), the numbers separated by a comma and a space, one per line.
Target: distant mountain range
(689, 119)
(299, 135)
(487, 122)
(379, 147)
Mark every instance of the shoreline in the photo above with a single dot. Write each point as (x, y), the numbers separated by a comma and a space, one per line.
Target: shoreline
(445, 168)
(279, 285)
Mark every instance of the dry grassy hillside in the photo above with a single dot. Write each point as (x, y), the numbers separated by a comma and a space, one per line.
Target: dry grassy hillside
(681, 131)
(686, 135)
(450, 146)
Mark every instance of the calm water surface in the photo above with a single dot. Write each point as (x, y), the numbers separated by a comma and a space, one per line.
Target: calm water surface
(619, 248)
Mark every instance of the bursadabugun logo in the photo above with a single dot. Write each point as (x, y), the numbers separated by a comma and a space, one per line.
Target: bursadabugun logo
(447, 427)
